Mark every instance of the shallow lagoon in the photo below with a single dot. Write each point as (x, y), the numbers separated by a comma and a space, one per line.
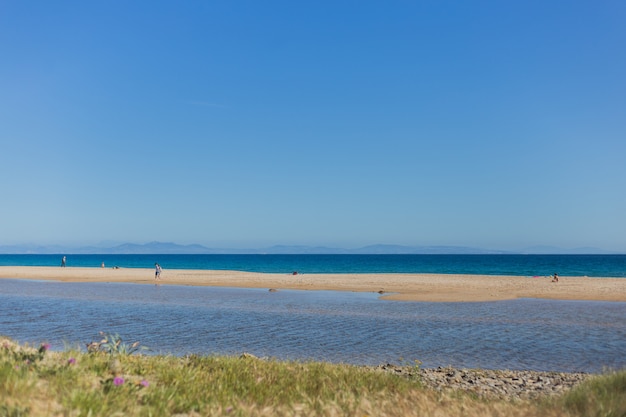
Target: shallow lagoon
(355, 328)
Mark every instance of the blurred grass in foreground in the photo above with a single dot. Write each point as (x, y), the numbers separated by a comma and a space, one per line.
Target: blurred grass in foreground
(36, 382)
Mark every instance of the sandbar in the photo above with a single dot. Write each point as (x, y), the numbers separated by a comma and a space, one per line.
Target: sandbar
(390, 286)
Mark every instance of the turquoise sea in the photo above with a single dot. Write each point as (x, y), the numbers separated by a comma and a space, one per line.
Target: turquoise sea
(519, 265)
(341, 327)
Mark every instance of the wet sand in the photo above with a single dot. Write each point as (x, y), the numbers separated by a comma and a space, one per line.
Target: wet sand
(404, 287)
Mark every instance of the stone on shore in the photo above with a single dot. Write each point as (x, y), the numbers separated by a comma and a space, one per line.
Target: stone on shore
(491, 383)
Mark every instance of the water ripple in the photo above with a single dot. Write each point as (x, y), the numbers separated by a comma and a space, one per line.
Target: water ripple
(346, 327)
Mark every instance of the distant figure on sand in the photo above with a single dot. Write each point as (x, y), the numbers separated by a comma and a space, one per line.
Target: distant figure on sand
(157, 271)
(555, 277)
(63, 262)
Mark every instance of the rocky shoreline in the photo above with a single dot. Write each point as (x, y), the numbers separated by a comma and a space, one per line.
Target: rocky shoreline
(491, 383)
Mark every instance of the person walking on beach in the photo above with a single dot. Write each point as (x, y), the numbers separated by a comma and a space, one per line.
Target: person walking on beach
(157, 271)
(63, 262)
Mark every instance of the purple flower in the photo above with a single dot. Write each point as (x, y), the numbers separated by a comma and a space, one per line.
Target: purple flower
(71, 361)
(118, 381)
(144, 383)
(45, 346)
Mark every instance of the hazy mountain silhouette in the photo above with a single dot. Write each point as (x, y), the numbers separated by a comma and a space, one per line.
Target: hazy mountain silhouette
(380, 249)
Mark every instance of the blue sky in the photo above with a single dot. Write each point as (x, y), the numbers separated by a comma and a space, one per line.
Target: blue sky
(492, 124)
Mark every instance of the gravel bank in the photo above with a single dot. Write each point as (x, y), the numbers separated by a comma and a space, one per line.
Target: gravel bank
(492, 383)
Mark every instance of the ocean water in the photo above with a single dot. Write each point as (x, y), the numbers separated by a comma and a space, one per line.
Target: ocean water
(520, 265)
(339, 327)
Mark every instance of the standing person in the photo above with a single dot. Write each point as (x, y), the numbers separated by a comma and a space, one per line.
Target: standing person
(157, 271)
(63, 262)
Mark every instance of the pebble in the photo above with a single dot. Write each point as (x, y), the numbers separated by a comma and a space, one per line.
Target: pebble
(491, 383)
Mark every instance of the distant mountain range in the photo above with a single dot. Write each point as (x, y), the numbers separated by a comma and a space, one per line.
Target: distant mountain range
(174, 248)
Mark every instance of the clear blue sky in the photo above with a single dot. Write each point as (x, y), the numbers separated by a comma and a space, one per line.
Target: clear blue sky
(493, 124)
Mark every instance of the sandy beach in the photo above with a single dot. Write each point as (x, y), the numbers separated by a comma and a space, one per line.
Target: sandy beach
(404, 287)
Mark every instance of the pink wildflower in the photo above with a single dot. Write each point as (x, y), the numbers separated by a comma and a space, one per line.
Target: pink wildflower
(144, 383)
(118, 381)
(71, 361)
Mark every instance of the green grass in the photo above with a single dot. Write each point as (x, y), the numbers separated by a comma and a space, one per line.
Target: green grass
(74, 383)
(599, 397)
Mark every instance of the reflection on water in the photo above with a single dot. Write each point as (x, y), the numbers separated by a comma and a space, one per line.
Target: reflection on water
(346, 327)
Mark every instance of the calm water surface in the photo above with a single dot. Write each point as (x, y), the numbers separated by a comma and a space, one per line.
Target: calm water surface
(520, 265)
(355, 328)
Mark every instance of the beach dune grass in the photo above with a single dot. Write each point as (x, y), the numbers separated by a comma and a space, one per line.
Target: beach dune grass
(73, 383)
(605, 396)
